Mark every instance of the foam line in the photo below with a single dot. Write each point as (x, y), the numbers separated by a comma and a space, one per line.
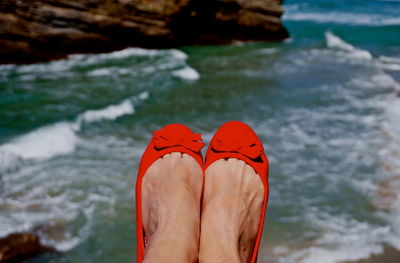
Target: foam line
(61, 138)
(333, 41)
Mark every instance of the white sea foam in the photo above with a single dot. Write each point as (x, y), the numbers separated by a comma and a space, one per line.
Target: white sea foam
(344, 239)
(343, 18)
(60, 138)
(109, 113)
(176, 53)
(64, 245)
(377, 80)
(43, 143)
(35, 207)
(333, 41)
(386, 59)
(64, 66)
(353, 53)
(341, 236)
(390, 67)
(100, 72)
(144, 95)
(90, 59)
(168, 60)
(54, 203)
(389, 63)
(187, 73)
(389, 156)
(268, 50)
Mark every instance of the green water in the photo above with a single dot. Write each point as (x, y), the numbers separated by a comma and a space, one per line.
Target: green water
(325, 104)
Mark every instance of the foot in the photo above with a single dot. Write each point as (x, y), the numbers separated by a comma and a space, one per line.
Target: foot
(171, 194)
(231, 209)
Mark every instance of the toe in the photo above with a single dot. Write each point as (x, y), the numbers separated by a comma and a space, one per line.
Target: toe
(232, 160)
(187, 157)
(176, 155)
(247, 168)
(241, 163)
(220, 163)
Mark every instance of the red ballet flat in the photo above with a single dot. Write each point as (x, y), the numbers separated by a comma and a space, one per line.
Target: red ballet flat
(237, 140)
(172, 138)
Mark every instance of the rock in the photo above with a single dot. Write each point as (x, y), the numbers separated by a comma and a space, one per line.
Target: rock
(32, 31)
(20, 246)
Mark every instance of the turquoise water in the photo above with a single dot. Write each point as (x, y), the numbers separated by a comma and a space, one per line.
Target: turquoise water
(326, 104)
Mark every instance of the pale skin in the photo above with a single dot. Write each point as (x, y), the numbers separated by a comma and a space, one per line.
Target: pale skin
(185, 222)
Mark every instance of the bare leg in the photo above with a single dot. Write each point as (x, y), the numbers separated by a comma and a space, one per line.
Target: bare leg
(171, 194)
(232, 204)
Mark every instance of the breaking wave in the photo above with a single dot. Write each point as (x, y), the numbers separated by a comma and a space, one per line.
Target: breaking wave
(61, 138)
(342, 236)
(334, 41)
(107, 64)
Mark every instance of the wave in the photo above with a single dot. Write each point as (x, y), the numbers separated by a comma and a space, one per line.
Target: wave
(43, 143)
(60, 138)
(353, 53)
(333, 41)
(187, 73)
(387, 195)
(268, 51)
(106, 64)
(79, 60)
(389, 60)
(345, 239)
(389, 63)
(343, 18)
(111, 112)
(343, 236)
(92, 59)
(348, 239)
(379, 80)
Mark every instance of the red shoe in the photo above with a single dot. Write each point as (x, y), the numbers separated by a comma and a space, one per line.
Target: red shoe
(172, 138)
(237, 140)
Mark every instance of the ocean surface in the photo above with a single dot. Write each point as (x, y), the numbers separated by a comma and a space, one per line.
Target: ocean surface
(326, 104)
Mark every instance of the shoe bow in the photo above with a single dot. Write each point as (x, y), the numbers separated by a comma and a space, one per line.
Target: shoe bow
(163, 139)
(252, 150)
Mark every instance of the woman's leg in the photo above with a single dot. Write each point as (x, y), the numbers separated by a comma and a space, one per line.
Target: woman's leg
(171, 194)
(232, 203)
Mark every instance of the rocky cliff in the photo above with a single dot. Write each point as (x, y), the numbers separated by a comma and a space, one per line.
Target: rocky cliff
(40, 30)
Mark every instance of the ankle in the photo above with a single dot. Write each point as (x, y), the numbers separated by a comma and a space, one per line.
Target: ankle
(219, 247)
(163, 245)
(219, 240)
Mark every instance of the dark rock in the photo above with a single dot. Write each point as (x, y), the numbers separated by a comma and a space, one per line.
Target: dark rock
(20, 246)
(39, 30)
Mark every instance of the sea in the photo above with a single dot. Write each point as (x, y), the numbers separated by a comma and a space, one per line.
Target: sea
(325, 102)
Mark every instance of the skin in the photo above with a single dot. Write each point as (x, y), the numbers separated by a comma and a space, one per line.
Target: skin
(231, 209)
(231, 205)
(171, 209)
